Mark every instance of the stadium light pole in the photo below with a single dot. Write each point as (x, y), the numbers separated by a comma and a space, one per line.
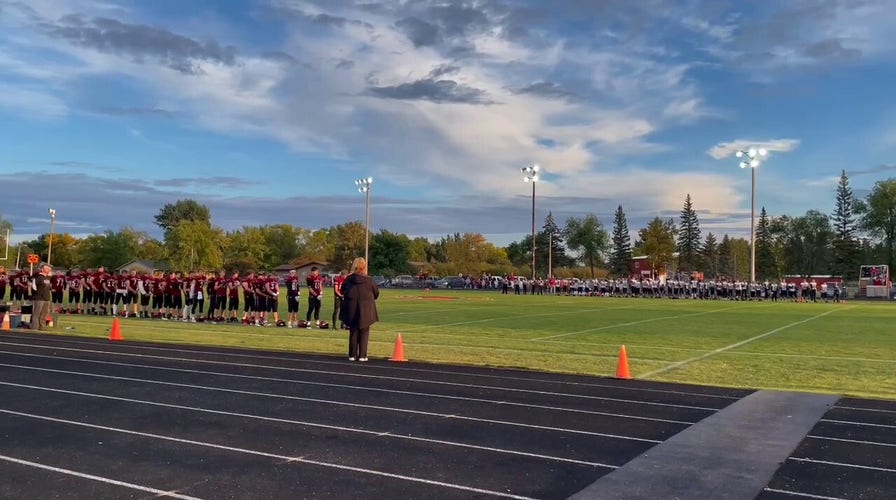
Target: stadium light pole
(530, 174)
(751, 160)
(50, 244)
(364, 187)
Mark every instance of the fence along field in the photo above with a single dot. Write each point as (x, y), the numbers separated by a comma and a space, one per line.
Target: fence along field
(825, 347)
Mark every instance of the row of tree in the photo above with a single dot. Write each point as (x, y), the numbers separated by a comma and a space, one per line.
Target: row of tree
(858, 231)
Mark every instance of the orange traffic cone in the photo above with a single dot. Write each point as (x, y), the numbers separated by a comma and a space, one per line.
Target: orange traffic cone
(398, 353)
(622, 367)
(115, 332)
(5, 326)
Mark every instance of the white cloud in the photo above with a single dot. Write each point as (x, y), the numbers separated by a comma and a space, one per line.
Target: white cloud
(725, 149)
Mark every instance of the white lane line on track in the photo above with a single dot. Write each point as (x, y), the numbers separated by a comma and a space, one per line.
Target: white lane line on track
(849, 422)
(272, 455)
(359, 388)
(69, 472)
(309, 424)
(864, 409)
(714, 352)
(841, 464)
(361, 375)
(802, 495)
(856, 441)
(630, 323)
(167, 348)
(339, 403)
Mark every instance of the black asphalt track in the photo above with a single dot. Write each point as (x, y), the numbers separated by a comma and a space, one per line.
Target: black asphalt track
(87, 418)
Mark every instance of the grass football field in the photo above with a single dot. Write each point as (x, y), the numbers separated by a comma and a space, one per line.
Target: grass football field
(839, 348)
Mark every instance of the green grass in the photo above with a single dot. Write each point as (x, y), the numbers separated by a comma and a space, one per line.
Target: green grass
(838, 348)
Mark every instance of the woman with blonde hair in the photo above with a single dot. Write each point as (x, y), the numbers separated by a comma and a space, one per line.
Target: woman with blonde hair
(359, 309)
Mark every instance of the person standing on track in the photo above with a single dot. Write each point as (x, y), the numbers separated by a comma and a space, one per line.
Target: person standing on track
(359, 309)
(40, 285)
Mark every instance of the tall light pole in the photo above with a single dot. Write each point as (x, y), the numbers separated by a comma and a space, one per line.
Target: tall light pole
(530, 174)
(751, 160)
(50, 244)
(364, 187)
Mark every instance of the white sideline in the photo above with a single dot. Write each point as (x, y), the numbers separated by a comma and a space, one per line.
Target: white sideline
(648, 320)
(359, 388)
(270, 455)
(106, 480)
(720, 350)
(339, 403)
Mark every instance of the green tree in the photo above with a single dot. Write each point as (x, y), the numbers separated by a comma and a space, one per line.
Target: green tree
(807, 243)
(421, 250)
(172, 214)
(551, 233)
(315, 245)
(657, 242)
(878, 217)
(245, 249)
(587, 236)
(111, 249)
(845, 246)
(281, 244)
(688, 237)
(389, 252)
(348, 243)
(195, 245)
(621, 254)
(766, 267)
(709, 255)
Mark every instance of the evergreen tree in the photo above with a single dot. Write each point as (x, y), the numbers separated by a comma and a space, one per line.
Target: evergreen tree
(621, 256)
(766, 267)
(845, 246)
(688, 238)
(558, 258)
(710, 256)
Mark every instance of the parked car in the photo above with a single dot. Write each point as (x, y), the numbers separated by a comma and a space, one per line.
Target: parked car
(449, 282)
(380, 280)
(404, 281)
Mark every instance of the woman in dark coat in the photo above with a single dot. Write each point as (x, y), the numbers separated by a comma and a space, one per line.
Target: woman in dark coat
(359, 309)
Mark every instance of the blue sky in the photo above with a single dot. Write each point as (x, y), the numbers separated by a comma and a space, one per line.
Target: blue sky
(268, 110)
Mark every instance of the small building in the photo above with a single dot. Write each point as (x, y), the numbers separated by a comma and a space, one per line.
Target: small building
(145, 267)
(640, 268)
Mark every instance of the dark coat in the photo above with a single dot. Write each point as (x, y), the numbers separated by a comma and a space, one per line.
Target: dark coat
(359, 301)
(42, 288)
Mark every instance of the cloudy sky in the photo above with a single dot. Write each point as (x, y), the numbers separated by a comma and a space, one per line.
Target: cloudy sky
(268, 110)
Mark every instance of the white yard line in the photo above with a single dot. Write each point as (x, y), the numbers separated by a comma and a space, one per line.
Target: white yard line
(115, 482)
(631, 323)
(701, 357)
(514, 317)
(865, 424)
(271, 455)
(337, 403)
(381, 377)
